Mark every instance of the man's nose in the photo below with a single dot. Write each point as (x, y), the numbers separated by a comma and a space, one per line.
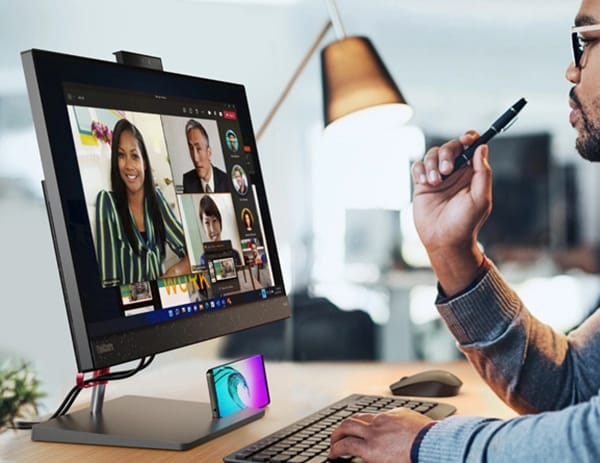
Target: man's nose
(573, 73)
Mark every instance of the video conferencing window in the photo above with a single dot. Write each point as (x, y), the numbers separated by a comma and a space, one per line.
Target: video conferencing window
(171, 203)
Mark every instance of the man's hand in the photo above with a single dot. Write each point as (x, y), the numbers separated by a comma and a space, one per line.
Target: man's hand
(449, 213)
(182, 267)
(378, 438)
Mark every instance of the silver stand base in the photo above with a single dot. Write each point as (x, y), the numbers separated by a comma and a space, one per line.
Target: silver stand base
(145, 422)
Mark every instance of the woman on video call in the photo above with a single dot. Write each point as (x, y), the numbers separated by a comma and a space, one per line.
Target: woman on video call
(212, 223)
(134, 220)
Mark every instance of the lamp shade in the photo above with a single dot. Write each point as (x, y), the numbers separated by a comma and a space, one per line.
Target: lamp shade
(355, 78)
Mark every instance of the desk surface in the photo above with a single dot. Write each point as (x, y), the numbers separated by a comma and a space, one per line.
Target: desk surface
(297, 389)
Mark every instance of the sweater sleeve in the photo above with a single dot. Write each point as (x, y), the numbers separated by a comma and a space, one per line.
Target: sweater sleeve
(516, 353)
(565, 435)
(532, 368)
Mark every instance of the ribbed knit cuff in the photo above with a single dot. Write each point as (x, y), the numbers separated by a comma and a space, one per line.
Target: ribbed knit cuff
(483, 312)
(414, 450)
(449, 439)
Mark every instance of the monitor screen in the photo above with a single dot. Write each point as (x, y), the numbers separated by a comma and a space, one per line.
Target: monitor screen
(157, 206)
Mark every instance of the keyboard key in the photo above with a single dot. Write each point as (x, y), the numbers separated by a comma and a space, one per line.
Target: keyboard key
(298, 459)
(317, 459)
(280, 458)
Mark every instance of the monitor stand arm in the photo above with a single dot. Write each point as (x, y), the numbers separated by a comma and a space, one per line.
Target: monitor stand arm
(97, 400)
(98, 394)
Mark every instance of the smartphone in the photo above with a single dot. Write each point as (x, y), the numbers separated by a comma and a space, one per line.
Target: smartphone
(237, 385)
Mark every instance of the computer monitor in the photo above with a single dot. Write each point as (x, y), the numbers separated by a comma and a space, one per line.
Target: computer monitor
(150, 260)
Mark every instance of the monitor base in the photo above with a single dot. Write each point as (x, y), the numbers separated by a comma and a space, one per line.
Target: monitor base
(144, 422)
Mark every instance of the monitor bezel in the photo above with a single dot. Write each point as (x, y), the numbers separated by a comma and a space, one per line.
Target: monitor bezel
(46, 72)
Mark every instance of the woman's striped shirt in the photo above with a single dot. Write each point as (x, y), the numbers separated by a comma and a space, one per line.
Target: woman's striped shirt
(119, 263)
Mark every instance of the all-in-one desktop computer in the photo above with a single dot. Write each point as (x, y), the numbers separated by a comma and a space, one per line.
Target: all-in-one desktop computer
(123, 304)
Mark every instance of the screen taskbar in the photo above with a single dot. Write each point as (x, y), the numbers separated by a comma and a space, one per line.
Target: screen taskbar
(150, 315)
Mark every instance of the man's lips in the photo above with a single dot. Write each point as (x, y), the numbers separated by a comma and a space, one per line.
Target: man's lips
(575, 112)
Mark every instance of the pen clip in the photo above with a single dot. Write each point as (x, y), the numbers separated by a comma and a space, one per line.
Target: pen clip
(509, 125)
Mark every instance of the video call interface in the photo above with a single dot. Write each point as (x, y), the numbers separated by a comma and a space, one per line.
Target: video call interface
(171, 202)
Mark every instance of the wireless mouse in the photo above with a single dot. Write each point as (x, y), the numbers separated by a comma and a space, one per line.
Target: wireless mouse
(429, 383)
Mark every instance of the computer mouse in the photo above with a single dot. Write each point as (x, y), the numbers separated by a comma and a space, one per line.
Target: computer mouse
(429, 383)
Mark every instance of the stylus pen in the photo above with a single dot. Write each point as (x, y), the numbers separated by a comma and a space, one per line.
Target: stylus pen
(500, 125)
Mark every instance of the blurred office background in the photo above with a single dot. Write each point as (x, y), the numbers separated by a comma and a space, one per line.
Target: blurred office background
(341, 210)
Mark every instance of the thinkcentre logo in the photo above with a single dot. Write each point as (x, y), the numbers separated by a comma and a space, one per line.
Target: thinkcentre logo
(104, 348)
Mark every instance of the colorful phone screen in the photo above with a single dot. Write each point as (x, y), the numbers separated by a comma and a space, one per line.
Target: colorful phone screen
(238, 385)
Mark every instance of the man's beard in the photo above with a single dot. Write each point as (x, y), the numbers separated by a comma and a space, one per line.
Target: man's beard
(588, 141)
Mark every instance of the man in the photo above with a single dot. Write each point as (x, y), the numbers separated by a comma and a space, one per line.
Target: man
(240, 180)
(550, 378)
(204, 178)
(232, 141)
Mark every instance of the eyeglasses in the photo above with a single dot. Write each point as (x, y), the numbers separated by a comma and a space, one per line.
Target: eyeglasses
(580, 44)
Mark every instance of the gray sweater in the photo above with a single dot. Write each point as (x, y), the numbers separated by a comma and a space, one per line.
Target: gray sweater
(551, 379)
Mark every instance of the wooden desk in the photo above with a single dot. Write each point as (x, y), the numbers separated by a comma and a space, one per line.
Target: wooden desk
(297, 389)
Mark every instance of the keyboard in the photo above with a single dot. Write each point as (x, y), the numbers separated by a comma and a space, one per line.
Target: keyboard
(307, 440)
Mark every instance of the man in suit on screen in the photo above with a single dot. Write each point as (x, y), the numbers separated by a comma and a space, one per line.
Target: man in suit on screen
(204, 177)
